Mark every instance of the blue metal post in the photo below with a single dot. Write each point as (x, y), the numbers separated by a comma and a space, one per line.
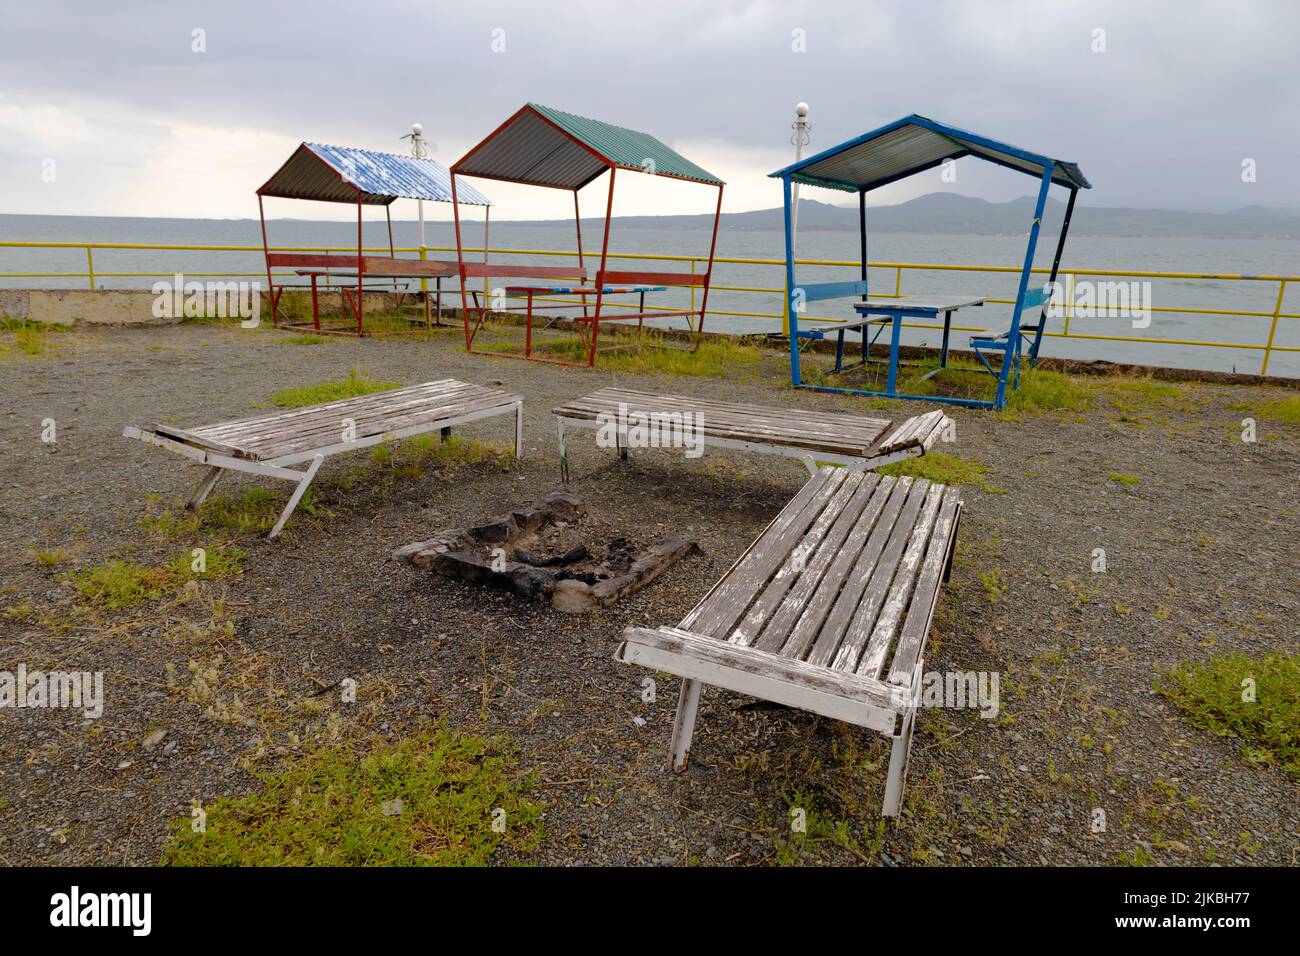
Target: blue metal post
(1056, 268)
(891, 379)
(791, 314)
(1013, 340)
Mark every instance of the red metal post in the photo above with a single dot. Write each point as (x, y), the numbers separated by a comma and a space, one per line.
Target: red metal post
(600, 275)
(360, 267)
(460, 261)
(392, 253)
(582, 271)
(528, 329)
(266, 253)
(708, 276)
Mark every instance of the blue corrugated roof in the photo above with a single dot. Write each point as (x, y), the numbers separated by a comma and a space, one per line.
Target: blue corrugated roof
(334, 173)
(910, 145)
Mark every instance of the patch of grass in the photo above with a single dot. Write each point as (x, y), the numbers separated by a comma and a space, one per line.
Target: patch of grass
(115, 584)
(352, 386)
(304, 340)
(1124, 478)
(428, 800)
(253, 510)
(52, 558)
(408, 459)
(1149, 390)
(1254, 699)
(31, 340)
(1042, 390)
(658, 354)
(994, 585)
(936, 466)
(1286, 410)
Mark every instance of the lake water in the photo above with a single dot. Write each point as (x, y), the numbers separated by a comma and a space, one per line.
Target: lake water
(1201, 255)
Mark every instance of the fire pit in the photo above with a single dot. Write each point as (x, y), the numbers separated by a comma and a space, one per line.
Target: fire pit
(553, 551)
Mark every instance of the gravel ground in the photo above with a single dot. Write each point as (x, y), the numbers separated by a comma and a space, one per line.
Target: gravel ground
(1202, 557)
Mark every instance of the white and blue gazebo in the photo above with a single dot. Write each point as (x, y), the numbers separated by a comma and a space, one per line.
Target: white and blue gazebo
(883, 156)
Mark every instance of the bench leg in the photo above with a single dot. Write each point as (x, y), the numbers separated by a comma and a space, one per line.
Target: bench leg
(519, 431)
(688, 705)
(296, 497)
(564, 457)
(205, 486)
(810, 463)
(898, 758)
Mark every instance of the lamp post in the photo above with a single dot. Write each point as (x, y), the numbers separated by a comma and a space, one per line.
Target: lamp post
(799, 139)
(419, 151)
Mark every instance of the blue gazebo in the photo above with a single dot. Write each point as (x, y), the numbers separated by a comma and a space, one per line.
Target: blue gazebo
(900, 149)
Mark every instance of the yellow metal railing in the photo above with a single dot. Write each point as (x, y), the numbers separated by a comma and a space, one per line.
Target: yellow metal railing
(1267, 347)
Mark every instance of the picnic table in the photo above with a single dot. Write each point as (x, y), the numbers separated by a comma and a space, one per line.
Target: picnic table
(316, 266)
(888, 314)
(532, 292)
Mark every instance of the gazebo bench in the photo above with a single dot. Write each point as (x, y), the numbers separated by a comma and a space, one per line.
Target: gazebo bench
(827, 611)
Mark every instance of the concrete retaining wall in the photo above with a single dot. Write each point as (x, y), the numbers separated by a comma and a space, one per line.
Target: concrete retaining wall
(125, 306)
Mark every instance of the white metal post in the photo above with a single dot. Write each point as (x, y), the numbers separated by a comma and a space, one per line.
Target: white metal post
(419, 151)
(799, 139)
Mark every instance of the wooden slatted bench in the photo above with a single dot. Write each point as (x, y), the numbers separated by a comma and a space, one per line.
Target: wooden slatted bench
(827, 611)
(811, 436)
(270, 444)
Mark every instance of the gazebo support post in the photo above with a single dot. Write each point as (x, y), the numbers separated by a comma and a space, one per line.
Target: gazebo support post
(464, 300)
(862, 243)
(600, 274)
(1056, 265)
(360, 267)
(708, 276)
(1011, 358)
(791, 305)
(266, 254)
(582, 269)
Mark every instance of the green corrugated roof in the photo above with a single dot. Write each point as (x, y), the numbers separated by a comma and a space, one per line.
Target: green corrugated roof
(626, 147)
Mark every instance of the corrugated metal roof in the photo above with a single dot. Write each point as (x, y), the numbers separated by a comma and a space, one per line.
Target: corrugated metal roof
(548, 147)
(910, 145)
(335, 173)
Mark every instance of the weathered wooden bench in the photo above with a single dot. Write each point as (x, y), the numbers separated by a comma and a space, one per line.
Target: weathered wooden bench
(269, 444)
(828, 611)
(813, 437)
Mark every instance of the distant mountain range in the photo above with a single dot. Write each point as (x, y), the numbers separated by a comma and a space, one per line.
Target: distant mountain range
(951, 213)
(935, 213)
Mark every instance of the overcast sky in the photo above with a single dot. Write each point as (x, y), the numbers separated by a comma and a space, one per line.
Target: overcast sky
(131, 112)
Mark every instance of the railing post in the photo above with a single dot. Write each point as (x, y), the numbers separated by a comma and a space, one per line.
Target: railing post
(1272, 331)
(90, 266)
(692, 287)
(898, 282)
(1069, 301)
